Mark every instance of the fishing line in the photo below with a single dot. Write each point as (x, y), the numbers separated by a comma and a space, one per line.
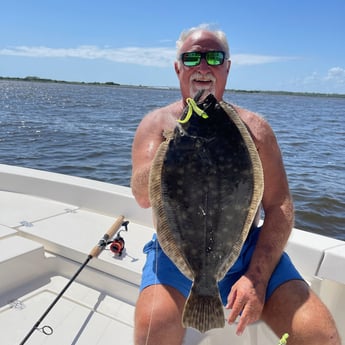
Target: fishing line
(192, 106)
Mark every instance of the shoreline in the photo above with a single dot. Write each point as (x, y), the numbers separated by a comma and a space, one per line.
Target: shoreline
(113, 84)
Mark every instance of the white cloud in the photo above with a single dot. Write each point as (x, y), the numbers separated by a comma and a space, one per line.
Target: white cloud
(159, 57)
(333, 81)
(336, 75)
(156, 56)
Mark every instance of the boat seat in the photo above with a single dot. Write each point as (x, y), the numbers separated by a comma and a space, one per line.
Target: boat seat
(21, 262)
(333, 263)
(307, 251)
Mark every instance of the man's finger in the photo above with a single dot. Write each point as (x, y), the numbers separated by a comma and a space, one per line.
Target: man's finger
(236, 310)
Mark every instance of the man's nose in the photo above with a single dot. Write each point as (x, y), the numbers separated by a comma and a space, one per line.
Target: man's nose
(203, 67)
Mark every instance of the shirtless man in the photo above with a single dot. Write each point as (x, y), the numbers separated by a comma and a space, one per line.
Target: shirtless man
(265, 285)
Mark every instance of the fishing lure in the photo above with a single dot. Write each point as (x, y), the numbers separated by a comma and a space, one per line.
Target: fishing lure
(193, 106)
(283, 339)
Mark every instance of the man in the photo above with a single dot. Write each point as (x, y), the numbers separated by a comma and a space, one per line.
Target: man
(263, 283)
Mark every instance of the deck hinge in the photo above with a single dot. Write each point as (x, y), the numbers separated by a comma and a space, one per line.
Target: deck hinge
(26, 224)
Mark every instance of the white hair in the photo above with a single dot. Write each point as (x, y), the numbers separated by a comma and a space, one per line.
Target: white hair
(203, 27)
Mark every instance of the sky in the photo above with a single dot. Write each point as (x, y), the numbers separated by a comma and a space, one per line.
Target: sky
(295, 45)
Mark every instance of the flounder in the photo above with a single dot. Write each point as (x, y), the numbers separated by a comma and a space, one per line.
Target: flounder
(206, 185)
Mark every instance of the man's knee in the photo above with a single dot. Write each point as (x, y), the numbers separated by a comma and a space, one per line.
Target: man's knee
(158, 316)
(294, 308)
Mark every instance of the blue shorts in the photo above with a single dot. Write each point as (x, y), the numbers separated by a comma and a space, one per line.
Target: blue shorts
(165, 272)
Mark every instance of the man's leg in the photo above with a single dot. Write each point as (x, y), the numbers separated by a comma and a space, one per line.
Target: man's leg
(295, 309)
(158, 316)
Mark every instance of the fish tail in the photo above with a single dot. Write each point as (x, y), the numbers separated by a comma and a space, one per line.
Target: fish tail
(203, 312)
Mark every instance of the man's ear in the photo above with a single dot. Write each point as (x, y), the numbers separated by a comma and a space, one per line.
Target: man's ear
(177, 67)
(229, 65)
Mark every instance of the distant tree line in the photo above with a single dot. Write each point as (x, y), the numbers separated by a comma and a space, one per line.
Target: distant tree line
(111, 83)
(46, 80)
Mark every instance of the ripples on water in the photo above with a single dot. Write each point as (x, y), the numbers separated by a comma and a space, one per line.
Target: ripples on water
(88, 130)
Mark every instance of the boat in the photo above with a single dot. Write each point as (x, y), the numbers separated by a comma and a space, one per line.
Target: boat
(50, 222)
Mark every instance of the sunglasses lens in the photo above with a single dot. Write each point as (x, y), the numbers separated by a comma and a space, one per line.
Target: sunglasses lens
(215, 58)
(191, 59)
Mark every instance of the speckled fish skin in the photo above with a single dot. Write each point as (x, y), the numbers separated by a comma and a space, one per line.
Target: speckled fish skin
(206, 185)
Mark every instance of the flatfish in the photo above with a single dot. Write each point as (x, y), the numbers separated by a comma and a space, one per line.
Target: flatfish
(206, 185)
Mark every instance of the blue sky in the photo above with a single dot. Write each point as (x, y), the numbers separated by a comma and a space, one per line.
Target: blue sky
(295, 45)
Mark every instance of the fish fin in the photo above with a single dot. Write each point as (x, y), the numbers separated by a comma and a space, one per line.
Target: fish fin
(170, 248)
(165, 237)
(203, 312)
(168, 134)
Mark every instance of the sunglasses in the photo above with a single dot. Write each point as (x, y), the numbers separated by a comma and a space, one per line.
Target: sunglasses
(213, 58)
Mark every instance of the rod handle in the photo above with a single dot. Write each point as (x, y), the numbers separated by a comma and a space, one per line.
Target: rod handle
(108, 235)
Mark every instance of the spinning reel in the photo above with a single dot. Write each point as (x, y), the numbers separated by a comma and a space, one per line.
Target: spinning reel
(117, 245)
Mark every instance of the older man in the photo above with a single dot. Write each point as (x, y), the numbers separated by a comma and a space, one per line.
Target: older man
(263, 283)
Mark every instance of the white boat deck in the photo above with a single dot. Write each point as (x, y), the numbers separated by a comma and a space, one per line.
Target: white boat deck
(48, 225)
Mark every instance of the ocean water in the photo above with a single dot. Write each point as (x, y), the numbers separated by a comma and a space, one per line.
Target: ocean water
(87, 131)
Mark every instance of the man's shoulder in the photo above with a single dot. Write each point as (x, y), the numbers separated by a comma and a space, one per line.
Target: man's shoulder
(163, 117)
(172, 108)
(160, 114)
(246, 113)
(258, 126)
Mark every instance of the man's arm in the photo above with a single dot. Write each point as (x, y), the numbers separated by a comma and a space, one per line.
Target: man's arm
(148, 137)
(279, 214)
(146, 141)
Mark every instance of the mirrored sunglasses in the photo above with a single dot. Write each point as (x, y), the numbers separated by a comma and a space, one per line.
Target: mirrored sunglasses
(213, 58)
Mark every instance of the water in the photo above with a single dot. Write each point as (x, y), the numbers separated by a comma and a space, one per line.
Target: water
(87, 131)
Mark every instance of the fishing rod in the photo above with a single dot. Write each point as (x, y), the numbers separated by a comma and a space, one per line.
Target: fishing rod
(93, 254)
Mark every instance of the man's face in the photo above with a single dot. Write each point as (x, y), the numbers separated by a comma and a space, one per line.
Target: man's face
(203, 76)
